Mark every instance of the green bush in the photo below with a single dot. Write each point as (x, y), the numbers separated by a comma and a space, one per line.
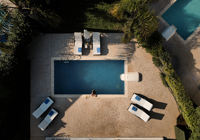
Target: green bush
(162, 76)
(126, 38)
(165, 57)
(156, 62)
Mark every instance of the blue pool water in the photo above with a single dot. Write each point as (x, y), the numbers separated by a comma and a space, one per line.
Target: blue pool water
(83, 76)
(185, 16)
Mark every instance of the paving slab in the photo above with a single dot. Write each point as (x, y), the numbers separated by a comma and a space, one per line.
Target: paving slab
(102, 117)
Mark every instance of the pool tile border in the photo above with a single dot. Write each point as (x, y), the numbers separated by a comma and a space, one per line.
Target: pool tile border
(89, 58)
(177, 35)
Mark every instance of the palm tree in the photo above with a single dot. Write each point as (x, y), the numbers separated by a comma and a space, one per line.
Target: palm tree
(37, 12)
(5, 19)
(140, 20)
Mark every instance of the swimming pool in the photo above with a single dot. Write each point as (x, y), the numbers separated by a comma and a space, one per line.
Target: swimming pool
(83, 76)
(184, 15)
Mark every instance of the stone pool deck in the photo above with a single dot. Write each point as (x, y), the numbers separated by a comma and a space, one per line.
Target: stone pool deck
(100, 117)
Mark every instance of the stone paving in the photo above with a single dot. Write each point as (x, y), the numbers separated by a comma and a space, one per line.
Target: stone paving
(100, 117)
(108, 117)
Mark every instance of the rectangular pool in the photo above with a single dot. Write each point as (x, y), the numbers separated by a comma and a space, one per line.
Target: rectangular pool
(83, 76)
(184, 15)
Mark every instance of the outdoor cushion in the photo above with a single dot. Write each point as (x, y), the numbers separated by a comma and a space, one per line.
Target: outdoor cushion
(134, 109)
(79, 49)
(142, 102)
(138, 98)
(46, 101)
(51, 113)
(98, 50)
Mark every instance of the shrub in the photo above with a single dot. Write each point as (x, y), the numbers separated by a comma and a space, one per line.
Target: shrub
(156, 62)
(162, 76)
(165, 57)
(126, 38)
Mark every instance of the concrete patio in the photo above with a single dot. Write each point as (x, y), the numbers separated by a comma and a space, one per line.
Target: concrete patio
(100, 117)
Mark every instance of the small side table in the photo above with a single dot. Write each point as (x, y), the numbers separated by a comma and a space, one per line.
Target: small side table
(87, 43)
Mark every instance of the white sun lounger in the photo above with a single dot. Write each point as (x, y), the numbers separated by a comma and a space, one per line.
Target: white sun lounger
(78, 43)
(169, 32)
(142, 102)
(139, 113)
(96, 43)
(48, 119)
(43, 107)
(131, 76)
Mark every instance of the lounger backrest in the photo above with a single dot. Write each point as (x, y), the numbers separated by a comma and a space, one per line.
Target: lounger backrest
(140, 102)
(96, 37)
(46, 104)
(48, 119)
(137, 113)
(43, 107)
(78, 36)
(51, 116)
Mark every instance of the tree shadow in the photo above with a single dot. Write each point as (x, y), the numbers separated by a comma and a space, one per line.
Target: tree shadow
(74, 14)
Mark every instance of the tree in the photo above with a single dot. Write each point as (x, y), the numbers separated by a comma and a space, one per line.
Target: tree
(5, 17)
(37, 12)
(141, 21)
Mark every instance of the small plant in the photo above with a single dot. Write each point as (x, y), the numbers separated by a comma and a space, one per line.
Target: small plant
(162, 76)
(156, 62)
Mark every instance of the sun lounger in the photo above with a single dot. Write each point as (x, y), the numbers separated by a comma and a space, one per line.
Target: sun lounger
(131, 76)
(142, 102)
(138, 112)
(43, 107)
(78, 43)
(96, 43)
(169, 32)
(48, 119)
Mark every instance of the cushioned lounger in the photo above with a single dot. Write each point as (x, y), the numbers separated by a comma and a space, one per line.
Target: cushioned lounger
(48, 119)
(142, 102)
(43, 107)
(96, 43)
(78, 43)
(138, 112)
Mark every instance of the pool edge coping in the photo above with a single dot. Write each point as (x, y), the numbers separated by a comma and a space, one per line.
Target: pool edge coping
(177, 35)
(89, 58)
